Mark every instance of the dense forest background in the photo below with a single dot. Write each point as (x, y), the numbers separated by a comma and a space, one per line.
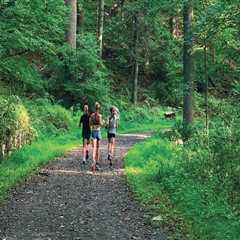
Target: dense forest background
(139, 55)
(37, 61)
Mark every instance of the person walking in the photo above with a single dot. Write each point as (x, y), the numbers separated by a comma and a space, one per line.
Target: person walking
(111, 133)
(96, 122)
(86, 132)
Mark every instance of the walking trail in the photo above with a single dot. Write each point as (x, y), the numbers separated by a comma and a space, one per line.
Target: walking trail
(66, 201)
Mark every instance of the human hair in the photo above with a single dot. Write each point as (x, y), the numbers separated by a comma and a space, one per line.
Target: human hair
(85, 107)
(111, 109)
(97, 106)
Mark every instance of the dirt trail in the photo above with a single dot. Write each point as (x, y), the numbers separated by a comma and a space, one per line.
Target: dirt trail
(70, 203)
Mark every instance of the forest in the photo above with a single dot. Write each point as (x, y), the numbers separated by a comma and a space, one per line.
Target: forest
(150, 58)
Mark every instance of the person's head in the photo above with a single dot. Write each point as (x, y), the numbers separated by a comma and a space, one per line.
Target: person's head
(97, 107)
(113, 110)
(85, 108)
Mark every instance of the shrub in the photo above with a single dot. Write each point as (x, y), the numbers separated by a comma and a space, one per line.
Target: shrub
(15, 126)
(49, 118)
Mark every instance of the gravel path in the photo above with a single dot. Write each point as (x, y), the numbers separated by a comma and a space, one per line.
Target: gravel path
(66, 201)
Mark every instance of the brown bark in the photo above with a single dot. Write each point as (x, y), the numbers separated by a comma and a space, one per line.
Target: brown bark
(100, 24)
(80, 18)
(187, 65)
(136, 64)
(72, 23)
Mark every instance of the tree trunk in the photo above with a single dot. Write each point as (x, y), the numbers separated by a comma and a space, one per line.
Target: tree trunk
(187, 66)
(79, 18)
(135, 84)
(100, 23)
(72, 23)
(136, 64)
(206, 84)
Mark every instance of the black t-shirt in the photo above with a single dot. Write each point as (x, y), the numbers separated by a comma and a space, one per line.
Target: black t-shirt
(84, 120)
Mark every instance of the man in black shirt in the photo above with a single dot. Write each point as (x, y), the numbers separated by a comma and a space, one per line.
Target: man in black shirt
(86, 131)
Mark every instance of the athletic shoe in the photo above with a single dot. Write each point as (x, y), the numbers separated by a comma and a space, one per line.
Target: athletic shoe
(84, 162)
(97, 166)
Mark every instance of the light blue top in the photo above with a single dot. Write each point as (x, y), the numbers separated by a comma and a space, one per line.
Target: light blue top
(112, 124)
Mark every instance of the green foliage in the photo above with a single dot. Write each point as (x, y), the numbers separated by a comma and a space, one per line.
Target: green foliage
(143, 118)
(49, 118)
(216, 28)
(33, 32)
(158, 53)
(80, 75)
(143, 164)
(218, 151)
(36, 61)
(23, 162)
(22, 121)
(15, 126)
(156, 169)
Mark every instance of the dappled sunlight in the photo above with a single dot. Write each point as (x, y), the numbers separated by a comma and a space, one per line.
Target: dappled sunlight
(136, 135)
(114, 172)
(134, 170)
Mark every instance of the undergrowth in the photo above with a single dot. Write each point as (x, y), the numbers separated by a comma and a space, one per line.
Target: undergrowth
(171, 186)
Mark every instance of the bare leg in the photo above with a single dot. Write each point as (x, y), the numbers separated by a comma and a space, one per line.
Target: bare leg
(97, 150)
(109, 146)
(113, 147)
(94, 151)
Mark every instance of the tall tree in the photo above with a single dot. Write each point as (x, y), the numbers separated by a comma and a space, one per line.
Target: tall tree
(80, 17)
(100, 24)
(136, 64)
(187, 64)
(71, 30)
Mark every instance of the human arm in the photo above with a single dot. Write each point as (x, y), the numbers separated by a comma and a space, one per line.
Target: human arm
(80, 121)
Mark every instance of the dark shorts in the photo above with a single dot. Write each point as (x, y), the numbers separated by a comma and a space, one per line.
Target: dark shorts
(96, 134)
(86, 135)
(111, 135)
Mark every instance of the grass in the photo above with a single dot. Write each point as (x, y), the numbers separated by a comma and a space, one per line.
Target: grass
(160, 181)
(144, 127)
(28, 159)
(142, 165)
(145, 119)
(24, 161)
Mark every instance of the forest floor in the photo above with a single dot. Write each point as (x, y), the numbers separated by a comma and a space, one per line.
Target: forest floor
(67, 201)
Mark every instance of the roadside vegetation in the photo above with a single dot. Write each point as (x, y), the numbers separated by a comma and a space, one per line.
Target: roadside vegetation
(54, 130)
(146, 58)
(192, 186)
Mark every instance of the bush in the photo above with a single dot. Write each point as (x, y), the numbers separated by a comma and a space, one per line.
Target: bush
(15, 126)
(49, 118)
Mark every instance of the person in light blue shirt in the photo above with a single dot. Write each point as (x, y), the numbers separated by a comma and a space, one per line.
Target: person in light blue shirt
(112, 126)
